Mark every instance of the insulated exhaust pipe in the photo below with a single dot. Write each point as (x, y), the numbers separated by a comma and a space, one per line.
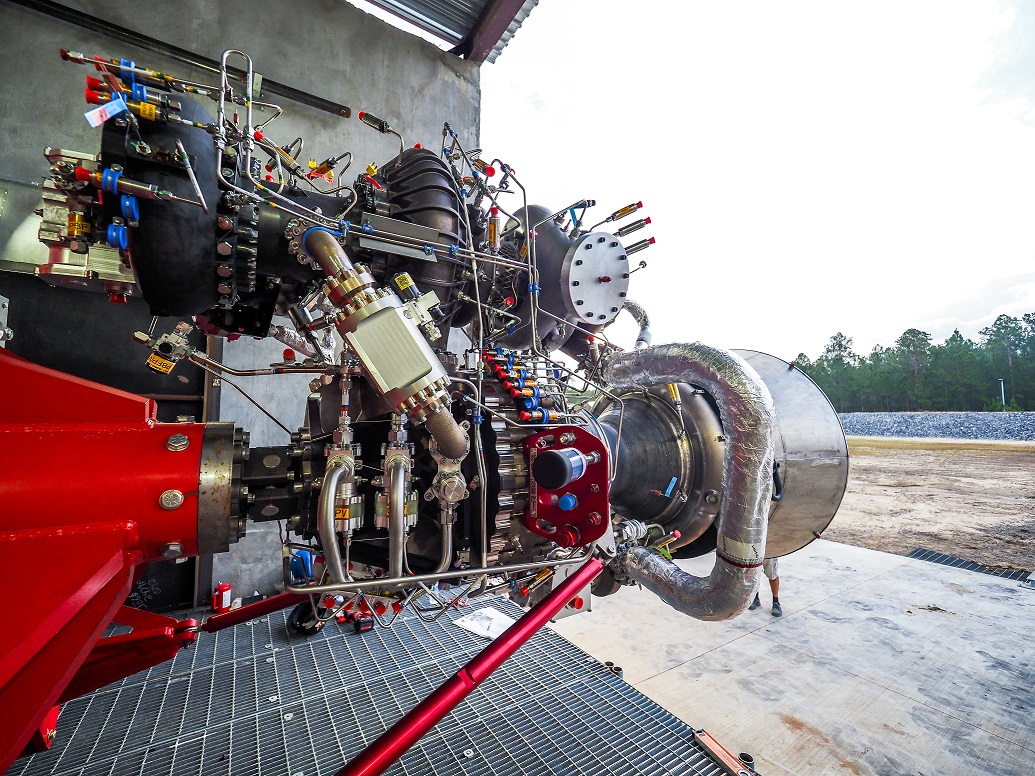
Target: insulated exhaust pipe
(747, 415)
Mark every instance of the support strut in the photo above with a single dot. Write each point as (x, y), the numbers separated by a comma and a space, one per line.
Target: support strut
(394, 742)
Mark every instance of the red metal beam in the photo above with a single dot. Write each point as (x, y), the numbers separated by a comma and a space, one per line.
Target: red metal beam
(394, 742)
(154, 640)
(244, 613)
(83, 469)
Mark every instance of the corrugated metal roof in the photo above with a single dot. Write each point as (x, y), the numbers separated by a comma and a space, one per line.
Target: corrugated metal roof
(454, 21)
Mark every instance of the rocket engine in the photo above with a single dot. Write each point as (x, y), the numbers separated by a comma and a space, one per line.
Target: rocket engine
(469, 424)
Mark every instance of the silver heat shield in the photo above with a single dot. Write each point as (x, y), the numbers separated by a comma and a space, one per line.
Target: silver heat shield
(746, 411)
(639, 314)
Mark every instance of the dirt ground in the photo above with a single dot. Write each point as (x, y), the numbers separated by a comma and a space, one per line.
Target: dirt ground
(974, 500)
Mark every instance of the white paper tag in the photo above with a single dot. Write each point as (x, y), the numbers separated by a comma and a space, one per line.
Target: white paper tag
(102, 113)
(487, 623)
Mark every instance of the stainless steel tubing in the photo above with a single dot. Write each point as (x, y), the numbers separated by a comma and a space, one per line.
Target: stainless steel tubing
(746, 411)
(396, 476)
(324, 247)
(447, 545)
(325, 520)
(642, 320)
(416, 579)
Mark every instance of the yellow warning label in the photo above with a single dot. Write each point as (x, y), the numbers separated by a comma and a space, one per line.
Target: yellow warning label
(159, 364)
(404, 281)
(341, 513)
(148, 111)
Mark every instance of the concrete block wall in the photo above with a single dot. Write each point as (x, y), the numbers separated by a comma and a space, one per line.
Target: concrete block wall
(325, 47)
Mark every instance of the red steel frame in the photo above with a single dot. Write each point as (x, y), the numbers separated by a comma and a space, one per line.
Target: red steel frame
(82, 467)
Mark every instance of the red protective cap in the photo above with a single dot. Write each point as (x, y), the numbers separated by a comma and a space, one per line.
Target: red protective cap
(289, 354)
(94, 83)
(489, 171)
(259, 135)
(510, 301)
(651, 240)
(397, 607)
(639, 205)
(117, 297)
(92, 97)
(676, 534)
(417, 145)
(380, 608)
(374, 183)
(577, 603)
(494, 210)
(82, 174)
(361, 114)
(64, 54)
(525, 415)
(646, 220)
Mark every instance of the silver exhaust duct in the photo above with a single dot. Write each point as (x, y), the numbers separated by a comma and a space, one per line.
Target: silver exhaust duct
(746, 411)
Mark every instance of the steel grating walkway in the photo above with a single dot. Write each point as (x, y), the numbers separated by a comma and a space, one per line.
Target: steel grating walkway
(252, 700)
(921, 553)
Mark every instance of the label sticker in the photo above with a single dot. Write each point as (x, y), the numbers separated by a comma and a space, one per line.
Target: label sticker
(159, 364)
(102, 113)
(341, 513)
(148, 111)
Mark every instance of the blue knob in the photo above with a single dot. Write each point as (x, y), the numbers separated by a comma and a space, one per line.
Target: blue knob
(567, 502)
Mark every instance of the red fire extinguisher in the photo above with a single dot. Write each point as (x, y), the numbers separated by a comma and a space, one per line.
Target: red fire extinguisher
(221, 598)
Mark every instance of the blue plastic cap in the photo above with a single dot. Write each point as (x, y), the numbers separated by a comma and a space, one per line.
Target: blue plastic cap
(567, 502)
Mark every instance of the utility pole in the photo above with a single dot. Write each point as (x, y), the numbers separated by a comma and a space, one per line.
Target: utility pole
(1002, 392)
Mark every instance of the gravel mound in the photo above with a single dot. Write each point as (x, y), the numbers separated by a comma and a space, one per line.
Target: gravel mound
(1016, 426)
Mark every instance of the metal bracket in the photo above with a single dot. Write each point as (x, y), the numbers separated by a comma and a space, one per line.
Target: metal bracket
(5, 333)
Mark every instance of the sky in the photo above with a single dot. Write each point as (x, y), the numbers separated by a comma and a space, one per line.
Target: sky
(808, 167)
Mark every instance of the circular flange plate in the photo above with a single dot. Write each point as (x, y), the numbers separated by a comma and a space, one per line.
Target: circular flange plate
(595, 278)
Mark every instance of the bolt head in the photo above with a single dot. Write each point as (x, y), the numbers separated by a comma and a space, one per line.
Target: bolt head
(171, 499)
(177, 443)
(172, 550)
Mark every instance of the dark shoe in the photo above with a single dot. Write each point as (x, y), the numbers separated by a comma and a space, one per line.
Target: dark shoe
(777, 609)
(755, 604)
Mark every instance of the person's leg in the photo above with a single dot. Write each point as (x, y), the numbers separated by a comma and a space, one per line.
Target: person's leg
(773, 572)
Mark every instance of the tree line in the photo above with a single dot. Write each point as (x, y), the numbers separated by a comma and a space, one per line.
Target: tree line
(916, 374)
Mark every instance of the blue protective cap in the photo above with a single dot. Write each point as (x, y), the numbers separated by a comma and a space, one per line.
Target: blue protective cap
(567, 502)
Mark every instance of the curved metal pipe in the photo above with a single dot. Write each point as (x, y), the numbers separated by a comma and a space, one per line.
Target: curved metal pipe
(447, 543)
(635, 309)
(746, 411)
(323, 246)
(325, 520)
(397, 468)
(452, 440)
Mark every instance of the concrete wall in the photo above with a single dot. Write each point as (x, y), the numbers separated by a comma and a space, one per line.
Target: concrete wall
(325, 47)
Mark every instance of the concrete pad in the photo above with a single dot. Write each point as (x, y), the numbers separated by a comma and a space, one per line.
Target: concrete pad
(880, 665)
